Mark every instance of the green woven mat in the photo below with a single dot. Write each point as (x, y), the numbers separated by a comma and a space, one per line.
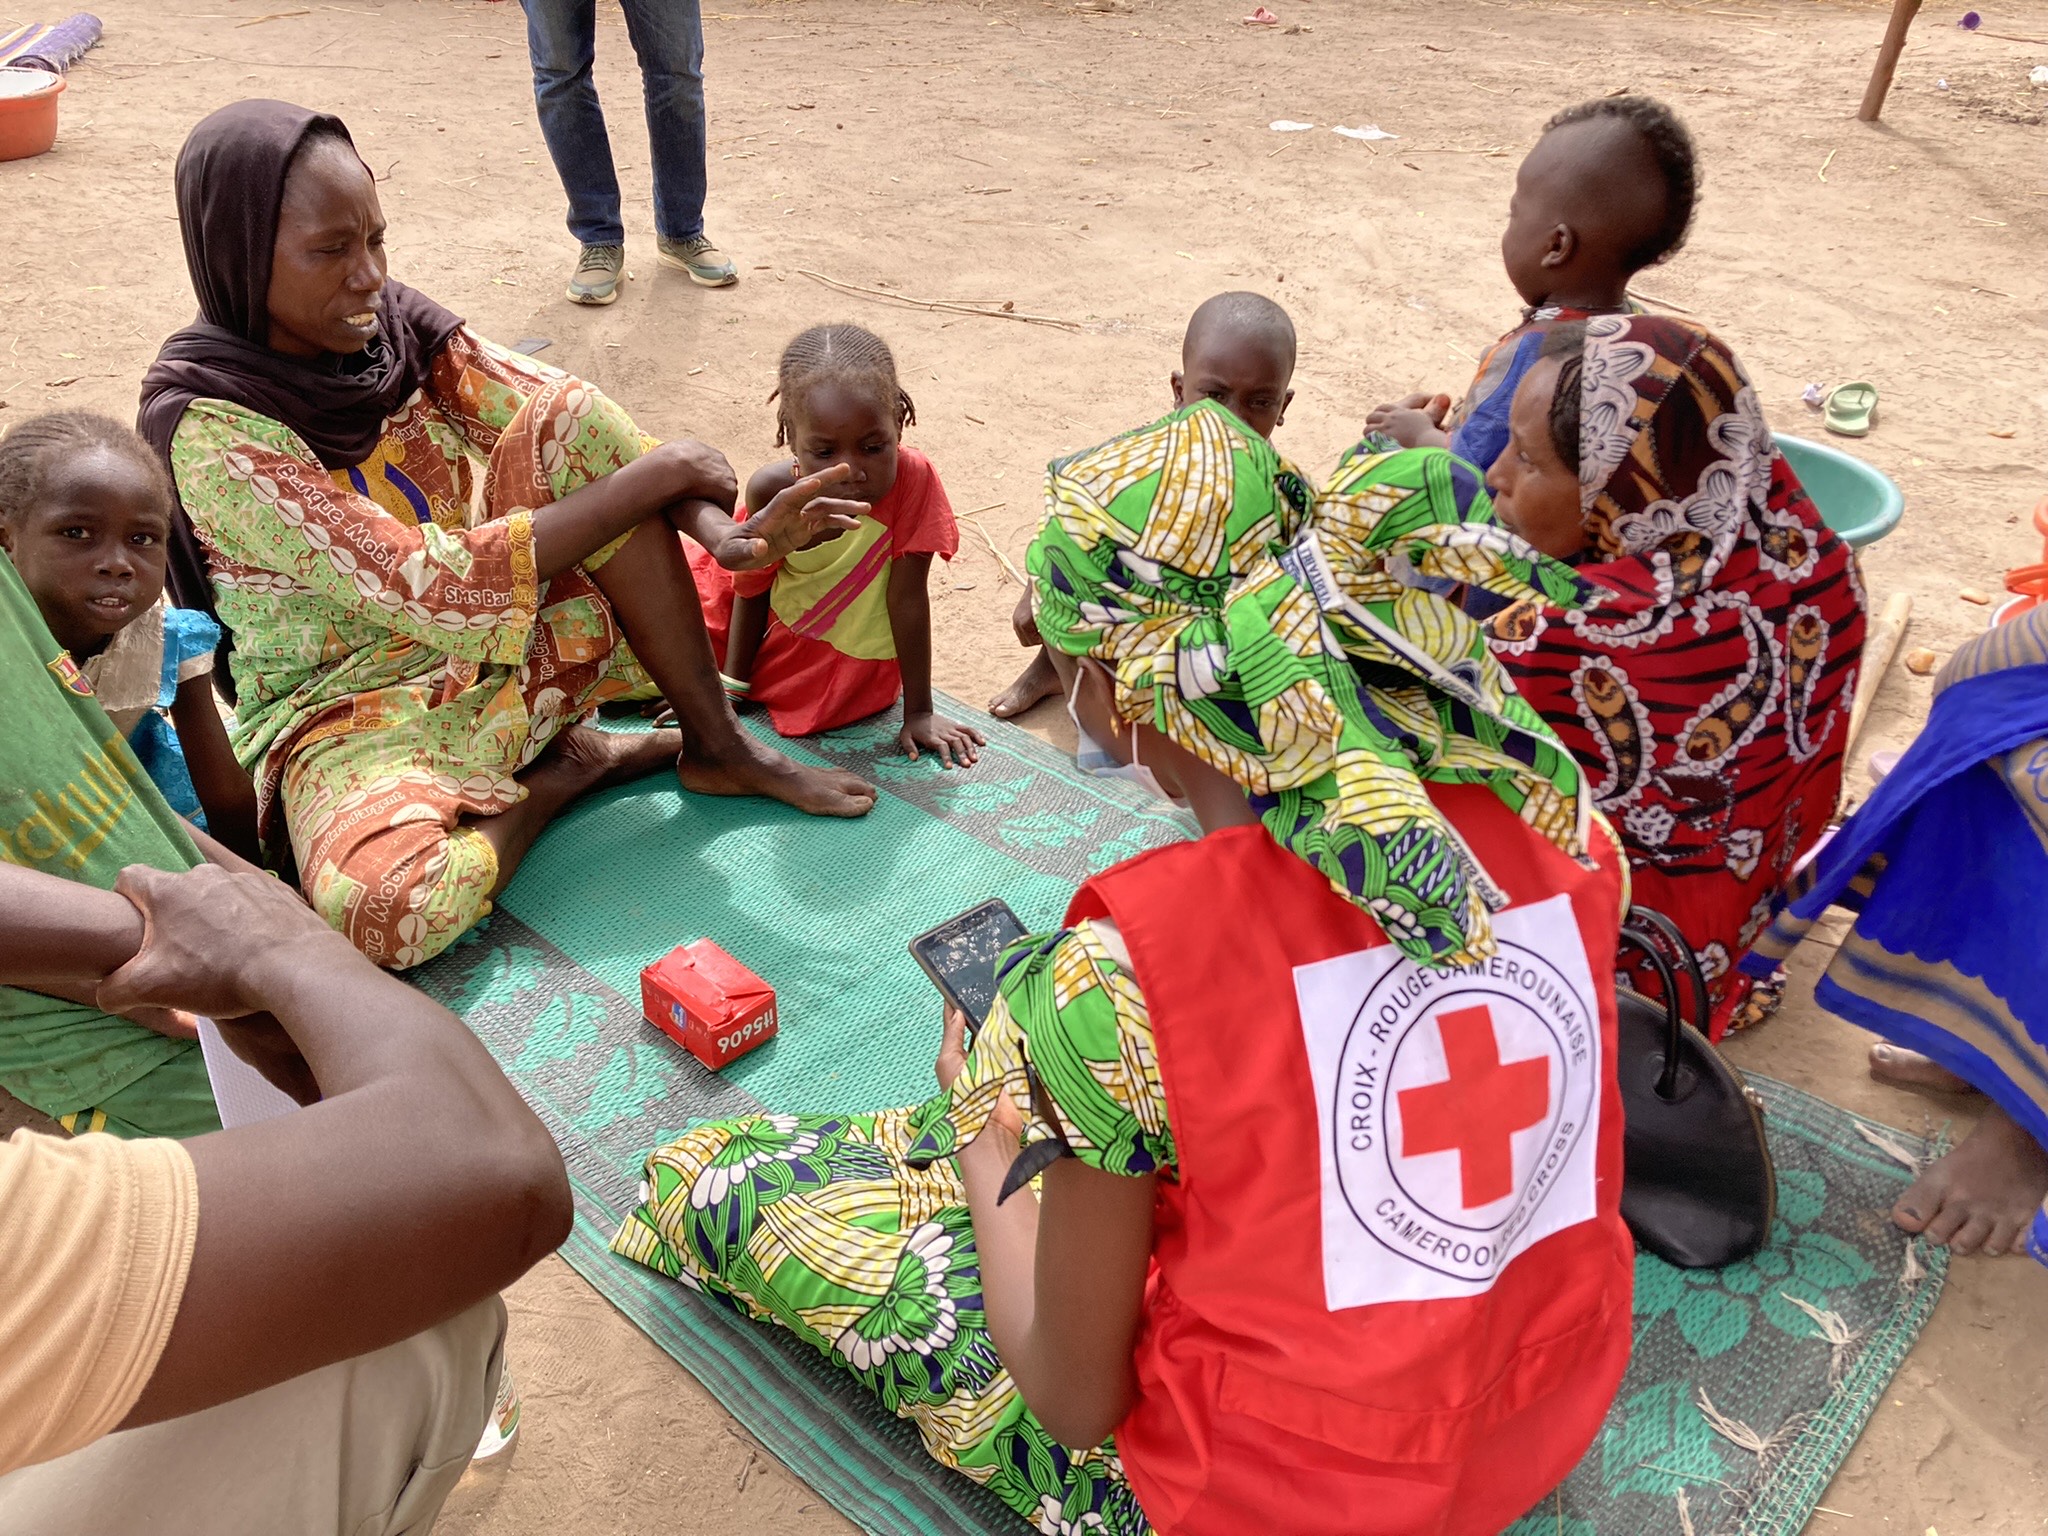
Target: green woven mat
(824, 910)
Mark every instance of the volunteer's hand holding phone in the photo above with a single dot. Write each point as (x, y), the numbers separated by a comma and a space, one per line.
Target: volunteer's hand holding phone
(953, 1061)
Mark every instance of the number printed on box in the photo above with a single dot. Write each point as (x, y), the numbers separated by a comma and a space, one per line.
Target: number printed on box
(764, 1025)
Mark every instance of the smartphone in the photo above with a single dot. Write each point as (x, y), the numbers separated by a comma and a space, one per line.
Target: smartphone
(960, 956)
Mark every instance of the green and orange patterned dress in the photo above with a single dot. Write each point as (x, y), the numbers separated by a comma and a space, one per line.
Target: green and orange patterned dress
(397, 656)
(852, 1231)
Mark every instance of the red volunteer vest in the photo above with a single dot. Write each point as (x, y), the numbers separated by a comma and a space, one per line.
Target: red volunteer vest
(1390, 1289)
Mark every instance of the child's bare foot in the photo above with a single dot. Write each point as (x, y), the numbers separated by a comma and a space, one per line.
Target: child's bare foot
(1037, 681)
(750, 768)
(1982, 1195)
(1902, 1068)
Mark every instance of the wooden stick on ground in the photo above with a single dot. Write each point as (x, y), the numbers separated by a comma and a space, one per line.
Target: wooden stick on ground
(973, 520)
(1903, 12)
(1651, 298)
(1879, 647)
(949, 305)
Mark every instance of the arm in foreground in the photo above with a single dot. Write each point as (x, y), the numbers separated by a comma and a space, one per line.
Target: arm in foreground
(1063, 1277)
(420, 1185)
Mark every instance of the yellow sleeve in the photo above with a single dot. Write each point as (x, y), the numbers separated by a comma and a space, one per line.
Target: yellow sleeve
(96, 1238)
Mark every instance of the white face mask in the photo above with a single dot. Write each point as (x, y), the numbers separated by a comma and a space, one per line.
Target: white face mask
(1092, 757)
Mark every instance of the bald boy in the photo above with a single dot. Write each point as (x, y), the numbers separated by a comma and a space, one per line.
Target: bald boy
(1238, 350)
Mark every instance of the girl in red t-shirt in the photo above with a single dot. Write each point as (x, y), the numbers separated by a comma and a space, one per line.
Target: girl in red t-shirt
(838, 629)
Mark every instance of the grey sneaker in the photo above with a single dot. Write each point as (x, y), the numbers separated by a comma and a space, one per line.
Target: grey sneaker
(597, 274)
(705, 262)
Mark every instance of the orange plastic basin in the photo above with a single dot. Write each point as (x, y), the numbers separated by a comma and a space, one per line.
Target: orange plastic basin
(28, 117)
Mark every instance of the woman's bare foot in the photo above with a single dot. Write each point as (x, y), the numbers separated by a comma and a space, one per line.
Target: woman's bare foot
(751, 768)
(588, 759)
(1982, 1195)
(1037, 681)
(1902, 1068)
(577, 761)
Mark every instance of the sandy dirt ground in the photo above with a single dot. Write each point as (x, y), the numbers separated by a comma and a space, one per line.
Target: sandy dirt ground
(1109, 162)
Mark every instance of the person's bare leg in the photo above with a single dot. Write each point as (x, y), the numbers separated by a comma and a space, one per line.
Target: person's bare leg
(1983, 1195)
(1902, 1068)
(576, 762)
(650, 589)
(1037, 681)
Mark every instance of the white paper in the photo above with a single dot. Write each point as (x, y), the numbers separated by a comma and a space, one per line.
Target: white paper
(1433, 1178)
(241, 1093)
(1369, 131)
(1284, 126)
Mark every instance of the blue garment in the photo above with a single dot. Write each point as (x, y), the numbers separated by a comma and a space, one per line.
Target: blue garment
(668, 36)
(154, 741)
(1947, 870)
(1483, 433)
(188, 635)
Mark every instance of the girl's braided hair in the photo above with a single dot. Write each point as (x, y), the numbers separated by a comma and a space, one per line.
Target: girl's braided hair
(27, 451)
(843, 354)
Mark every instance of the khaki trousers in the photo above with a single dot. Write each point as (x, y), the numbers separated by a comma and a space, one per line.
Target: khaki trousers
(369, 1447)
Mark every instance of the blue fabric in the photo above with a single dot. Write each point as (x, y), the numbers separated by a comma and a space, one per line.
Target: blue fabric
(155, 745)
(1483, 434)
(668, 36)
(188, 634)
(1960, 882)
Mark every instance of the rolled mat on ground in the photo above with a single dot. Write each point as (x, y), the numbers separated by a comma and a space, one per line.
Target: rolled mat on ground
(1747, 1387)
(54, 46)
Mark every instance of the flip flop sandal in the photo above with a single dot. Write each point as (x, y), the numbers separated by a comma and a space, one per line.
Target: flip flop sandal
(2041, 524)
(1850, 408)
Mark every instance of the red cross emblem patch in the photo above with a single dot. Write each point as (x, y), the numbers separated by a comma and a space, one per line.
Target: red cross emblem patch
(1458, 1108)
(1476, 1110)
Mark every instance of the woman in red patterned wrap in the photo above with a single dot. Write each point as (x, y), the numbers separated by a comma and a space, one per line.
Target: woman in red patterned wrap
(1708, 691)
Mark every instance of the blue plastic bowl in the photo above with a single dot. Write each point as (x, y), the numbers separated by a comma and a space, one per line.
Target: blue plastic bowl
(1860, 503)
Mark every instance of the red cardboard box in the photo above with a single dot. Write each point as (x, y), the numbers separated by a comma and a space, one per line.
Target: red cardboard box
(708, 1003)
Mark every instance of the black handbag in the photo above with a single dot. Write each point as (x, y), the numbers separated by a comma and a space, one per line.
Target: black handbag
(1697, 1188)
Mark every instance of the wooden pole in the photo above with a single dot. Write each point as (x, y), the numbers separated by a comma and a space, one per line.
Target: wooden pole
(1879, 647)
(1903, 12)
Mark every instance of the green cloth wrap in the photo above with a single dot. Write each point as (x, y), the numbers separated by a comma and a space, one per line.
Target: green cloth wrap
(1291, 639)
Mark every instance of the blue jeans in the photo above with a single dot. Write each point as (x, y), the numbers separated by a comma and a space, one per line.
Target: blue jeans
(668, 36)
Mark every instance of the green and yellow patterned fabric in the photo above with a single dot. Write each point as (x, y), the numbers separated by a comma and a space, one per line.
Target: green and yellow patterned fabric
(1302, 643)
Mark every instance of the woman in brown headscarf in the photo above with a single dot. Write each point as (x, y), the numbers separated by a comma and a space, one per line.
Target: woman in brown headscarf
(431, 552)
(1707, 687)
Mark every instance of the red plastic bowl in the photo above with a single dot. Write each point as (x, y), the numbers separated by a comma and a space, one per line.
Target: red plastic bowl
(28, 122)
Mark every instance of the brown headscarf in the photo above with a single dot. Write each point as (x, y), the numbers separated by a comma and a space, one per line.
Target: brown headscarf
(230, 180)
(1707, 686)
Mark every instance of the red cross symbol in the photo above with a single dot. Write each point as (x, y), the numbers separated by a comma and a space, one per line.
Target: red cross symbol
(1476, 1111)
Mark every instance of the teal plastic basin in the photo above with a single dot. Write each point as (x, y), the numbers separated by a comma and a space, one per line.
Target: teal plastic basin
(1860, 503)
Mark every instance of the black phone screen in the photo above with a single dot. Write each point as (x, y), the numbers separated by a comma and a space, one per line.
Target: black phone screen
(960, 956)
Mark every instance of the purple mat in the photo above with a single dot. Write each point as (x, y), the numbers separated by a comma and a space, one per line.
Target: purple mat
(55, 46)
